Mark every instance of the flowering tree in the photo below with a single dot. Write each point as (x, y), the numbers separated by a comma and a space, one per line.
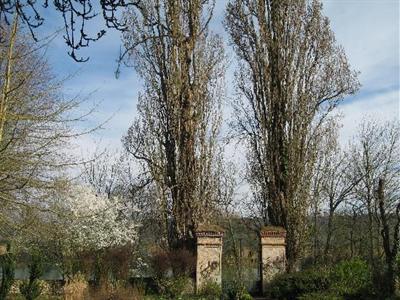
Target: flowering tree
(91, 221)
(81, 231)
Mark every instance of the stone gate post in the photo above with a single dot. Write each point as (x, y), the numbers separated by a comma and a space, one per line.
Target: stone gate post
(4, 245)
(209, 255)
(273, 253)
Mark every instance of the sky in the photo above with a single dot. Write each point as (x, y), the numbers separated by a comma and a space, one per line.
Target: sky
(367, 29)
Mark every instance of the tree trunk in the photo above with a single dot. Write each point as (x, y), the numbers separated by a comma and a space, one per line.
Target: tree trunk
(316, 251)
(370, 235)
(329, 235)
(385, 232)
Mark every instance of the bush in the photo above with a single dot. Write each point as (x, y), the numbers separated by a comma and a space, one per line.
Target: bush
(291, 286)
(211, 290)
(174, 271)
(7, 265)
(175, 287)
(351, 278)
(76, 288)
(32, 288)
(117, 291)
(347, 280)
(235, 290)
(246, 296)
(148, 284)
(320, 296)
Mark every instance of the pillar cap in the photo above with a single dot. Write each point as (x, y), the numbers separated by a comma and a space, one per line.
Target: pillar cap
(209, 230)
(273, 231)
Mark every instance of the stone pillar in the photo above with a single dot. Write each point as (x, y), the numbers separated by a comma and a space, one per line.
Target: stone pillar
(4, 245)
(273, 253)
(209, 255)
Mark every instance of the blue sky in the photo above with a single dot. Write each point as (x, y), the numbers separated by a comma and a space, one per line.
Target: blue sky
(368, 30)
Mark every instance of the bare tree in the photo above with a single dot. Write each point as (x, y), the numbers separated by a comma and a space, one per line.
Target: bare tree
(336, 183)
(35, 128)
(291, 75)
(175, 136)
(326, 153)
(76, 15)
(375, 160)
(353, 227)
(110, 172)
(390, 238)
(375, 156)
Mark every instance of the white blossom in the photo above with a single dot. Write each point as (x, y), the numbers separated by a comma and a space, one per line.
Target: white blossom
(93, 221)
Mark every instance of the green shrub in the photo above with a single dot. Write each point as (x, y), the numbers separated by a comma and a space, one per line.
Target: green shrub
(320, 296)
(347, 280)
(7, 265)
(173, 272)
(291, 286)
(31, 289)
(351, 278)
(246, 296)
(380, 280)
(235, 290)
(210, 290)
(175, 287)
(232, 292)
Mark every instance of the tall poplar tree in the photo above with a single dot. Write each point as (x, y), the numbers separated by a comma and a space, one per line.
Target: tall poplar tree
(174, 137)
(291, 75)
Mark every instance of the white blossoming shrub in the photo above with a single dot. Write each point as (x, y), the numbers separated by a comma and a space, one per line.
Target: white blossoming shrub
(93, 221)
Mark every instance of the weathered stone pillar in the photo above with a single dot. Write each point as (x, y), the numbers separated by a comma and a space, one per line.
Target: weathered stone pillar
(3, 247)
(273, 254)
(209, 255)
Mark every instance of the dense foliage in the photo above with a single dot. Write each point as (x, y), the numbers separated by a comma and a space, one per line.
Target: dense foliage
(350, 279)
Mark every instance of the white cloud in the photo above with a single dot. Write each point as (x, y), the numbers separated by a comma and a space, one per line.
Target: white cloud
(368, 30)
